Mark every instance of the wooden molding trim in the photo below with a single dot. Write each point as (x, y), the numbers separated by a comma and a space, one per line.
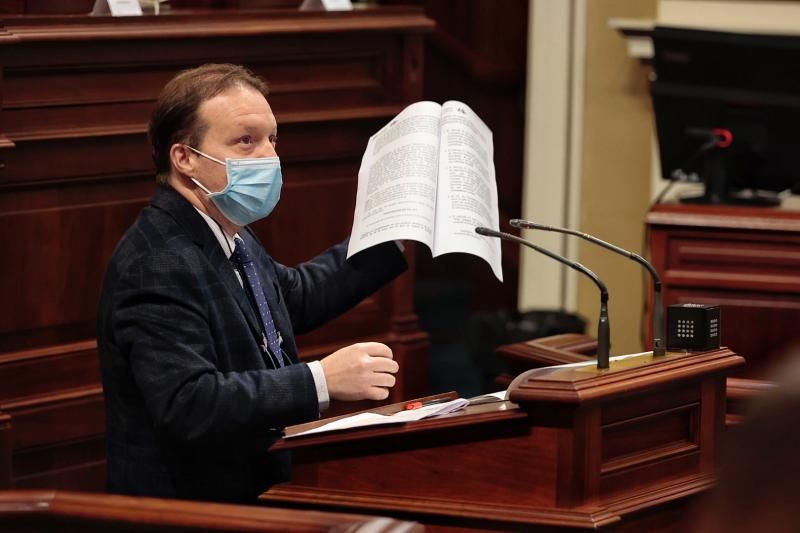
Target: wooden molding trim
(532, 351)
(759, 283)
(562, 349)
(663, 494)
(81, 133)
(747, 389)
(631, 461)
(588, 384)
(83, 180)
(5, 142)
(315, 117)
(237, 23)
(757, 221)
(152, 514)
(47, 352)
(590, 517)
(56, 398)
(609, 512)
(504, 413)
(336, 115)
(21, 103)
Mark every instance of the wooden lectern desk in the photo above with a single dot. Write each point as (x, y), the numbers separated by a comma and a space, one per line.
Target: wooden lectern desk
(622, 449)
(576, 347)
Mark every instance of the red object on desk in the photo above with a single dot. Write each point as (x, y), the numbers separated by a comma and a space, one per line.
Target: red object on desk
(413, 405)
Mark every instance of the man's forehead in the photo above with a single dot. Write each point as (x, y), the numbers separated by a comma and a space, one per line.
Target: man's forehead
(236, 105)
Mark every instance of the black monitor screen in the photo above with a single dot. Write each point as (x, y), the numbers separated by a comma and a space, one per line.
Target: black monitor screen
(742, 90)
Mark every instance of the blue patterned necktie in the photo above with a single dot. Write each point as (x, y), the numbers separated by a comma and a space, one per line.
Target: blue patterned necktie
(242, 257)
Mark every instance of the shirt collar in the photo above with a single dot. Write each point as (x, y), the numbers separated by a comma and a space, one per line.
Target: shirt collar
(227, 243)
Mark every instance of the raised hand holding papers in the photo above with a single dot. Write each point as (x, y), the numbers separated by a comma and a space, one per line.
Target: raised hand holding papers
(429, 176)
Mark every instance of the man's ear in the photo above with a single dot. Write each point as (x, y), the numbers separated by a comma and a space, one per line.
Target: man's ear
(182, 160)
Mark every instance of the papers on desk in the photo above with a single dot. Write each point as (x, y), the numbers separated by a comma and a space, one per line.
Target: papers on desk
(499, 396)
(375, 419)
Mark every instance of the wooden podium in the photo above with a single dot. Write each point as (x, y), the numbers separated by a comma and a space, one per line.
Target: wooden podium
(569, 348)
(575, 447)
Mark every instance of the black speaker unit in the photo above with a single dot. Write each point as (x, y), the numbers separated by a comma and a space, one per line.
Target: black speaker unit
(693, 327)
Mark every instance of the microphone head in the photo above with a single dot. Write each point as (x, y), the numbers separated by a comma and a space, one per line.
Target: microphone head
(527, 224)
(483, 231)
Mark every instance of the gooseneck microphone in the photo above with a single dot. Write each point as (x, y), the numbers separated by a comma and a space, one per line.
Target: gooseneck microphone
(658, 310)
(603, 328)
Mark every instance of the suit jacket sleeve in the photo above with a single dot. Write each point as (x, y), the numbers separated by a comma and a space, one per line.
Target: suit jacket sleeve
(160, 319)
(322, 289)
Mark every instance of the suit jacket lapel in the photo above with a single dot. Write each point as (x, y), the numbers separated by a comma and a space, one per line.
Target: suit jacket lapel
(184, 213)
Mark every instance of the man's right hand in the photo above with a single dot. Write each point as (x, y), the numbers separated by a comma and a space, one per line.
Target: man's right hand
(361, 371)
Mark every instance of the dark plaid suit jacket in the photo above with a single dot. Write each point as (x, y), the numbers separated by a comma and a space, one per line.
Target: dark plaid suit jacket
(192, 405)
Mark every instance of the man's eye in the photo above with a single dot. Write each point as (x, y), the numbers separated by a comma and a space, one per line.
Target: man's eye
(247, 139)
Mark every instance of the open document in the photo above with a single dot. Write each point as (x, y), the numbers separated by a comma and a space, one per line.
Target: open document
(429, 176)
(375, 419)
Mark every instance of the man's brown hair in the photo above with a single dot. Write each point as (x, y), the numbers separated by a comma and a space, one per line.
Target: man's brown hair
(175, 118)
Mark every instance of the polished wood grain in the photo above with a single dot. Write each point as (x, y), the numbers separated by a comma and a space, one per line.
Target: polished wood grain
(743, 258)
(568, 348)
(622, 449)
(75, 97)
(62, 511)
(55, 402)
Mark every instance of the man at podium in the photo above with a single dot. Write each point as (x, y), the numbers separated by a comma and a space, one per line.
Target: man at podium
(196, 321)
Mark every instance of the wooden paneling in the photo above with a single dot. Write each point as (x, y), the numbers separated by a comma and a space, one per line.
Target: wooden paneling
(54, 401)
(69, 415)
(67, 456)
(662, 440)
(75, 170)
(744, 259)
(346, 466)
(25, 374)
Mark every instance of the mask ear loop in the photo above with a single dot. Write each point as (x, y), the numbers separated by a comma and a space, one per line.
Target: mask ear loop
(198, 152)
(214, 159)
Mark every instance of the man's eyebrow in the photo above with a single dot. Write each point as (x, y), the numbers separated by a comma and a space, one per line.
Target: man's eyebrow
(272, 127)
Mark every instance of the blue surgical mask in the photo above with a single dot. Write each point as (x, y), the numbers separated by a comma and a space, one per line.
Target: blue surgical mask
(253, 190)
